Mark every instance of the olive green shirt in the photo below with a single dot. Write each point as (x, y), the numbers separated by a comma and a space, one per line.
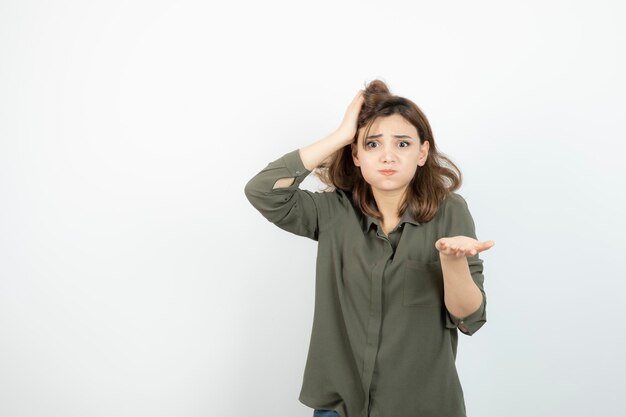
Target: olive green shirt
(383, 343)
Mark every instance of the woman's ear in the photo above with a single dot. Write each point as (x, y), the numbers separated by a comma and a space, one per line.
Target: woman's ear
(423, 153)
(355, 158)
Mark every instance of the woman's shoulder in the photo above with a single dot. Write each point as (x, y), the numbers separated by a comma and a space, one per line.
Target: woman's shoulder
(454, 198)
(331, 202)
(455, 217)
(453, 204)
(335, 195)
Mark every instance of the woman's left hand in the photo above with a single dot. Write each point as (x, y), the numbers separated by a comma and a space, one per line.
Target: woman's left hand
(459, 246)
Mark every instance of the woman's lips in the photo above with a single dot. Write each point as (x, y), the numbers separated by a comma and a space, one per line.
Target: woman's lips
(387, 171)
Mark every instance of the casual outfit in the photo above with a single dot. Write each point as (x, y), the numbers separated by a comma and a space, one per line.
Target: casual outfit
(383, 343)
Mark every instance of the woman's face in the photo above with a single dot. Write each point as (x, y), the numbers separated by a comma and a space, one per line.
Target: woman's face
(392, 143)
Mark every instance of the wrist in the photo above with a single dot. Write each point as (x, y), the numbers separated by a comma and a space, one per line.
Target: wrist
(450, 258)
(343, 136)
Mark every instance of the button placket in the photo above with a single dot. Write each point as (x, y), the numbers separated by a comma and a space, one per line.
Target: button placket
(375, 318)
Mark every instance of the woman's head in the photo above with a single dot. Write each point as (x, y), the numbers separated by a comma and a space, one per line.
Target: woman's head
(392, 133)
(389, 143)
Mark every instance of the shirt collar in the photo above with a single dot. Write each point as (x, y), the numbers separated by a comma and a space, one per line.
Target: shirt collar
(405, 218)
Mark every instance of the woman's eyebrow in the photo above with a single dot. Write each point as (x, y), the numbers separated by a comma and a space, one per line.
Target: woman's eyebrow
(395, 136)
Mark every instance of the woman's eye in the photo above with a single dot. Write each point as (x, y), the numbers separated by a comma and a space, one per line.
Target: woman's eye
(404, 141)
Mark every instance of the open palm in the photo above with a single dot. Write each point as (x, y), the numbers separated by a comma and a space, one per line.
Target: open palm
(462, 246)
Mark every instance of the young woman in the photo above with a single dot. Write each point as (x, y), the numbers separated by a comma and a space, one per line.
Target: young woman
(397, 270)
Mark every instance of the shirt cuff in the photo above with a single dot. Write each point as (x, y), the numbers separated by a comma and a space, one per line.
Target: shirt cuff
(295, 166)
(470, 324)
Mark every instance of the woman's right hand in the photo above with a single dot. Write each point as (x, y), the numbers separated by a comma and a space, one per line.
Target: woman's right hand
(348, 126)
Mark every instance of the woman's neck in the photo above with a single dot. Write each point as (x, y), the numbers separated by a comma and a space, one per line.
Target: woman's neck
(388, 203)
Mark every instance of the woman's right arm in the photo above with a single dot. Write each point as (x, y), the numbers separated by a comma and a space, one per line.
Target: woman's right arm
(312, 155)
(275, 192)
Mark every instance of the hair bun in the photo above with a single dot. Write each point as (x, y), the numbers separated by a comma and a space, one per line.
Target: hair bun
(375, 94)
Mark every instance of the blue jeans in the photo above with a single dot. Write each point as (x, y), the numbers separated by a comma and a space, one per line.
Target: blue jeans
(325, 413)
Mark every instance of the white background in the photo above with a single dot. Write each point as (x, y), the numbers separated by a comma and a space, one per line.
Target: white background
(137, 280)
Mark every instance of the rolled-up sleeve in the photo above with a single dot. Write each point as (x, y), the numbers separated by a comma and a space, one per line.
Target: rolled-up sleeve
(297, 211)
(470, 324)
(458, 221)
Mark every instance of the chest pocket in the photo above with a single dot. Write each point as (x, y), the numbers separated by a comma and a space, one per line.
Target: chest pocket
(423, 284)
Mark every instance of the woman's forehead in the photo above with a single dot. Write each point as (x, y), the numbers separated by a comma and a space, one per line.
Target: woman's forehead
(392, 126)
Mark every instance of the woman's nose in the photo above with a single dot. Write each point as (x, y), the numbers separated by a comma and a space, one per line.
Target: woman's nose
(388, 155)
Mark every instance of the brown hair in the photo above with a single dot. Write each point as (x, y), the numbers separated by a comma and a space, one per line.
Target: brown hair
(431, 183)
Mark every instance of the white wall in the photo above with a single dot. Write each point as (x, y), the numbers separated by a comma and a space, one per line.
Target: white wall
(135, 278)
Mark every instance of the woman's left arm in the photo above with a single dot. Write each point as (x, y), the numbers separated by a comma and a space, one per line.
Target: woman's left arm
(461, 295)
(462, 269)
